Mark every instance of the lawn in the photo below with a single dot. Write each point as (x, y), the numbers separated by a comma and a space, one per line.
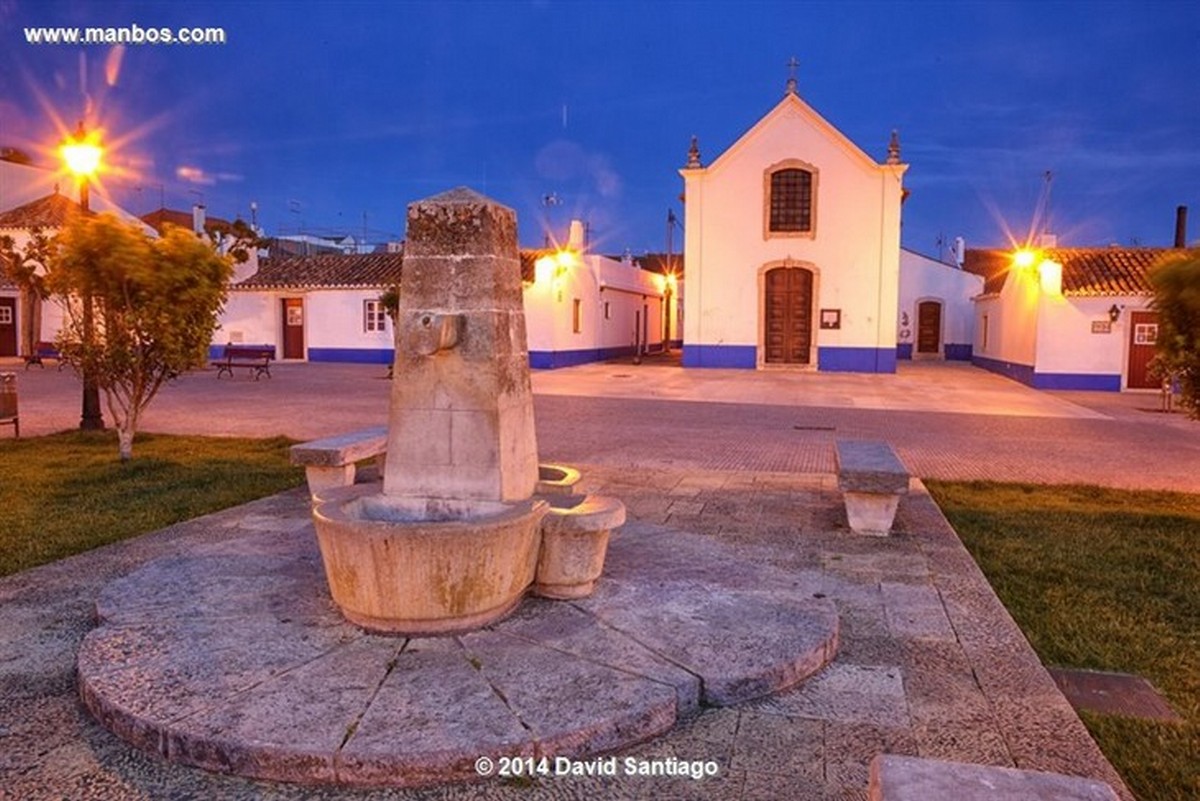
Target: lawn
(68, 493)
(1107, 580)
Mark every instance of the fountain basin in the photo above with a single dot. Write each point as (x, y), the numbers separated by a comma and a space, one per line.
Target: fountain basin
(575, 536)
(420, 566)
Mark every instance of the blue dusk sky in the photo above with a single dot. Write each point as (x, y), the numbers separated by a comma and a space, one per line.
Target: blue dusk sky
(332, 117)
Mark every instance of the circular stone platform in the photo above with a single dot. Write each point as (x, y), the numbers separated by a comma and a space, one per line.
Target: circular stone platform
(233, 658)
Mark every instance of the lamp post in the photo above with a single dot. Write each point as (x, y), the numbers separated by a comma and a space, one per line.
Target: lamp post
(82, 156)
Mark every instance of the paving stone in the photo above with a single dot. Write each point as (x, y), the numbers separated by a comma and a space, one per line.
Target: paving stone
(897, 778)
(845, 693)
(916, 612)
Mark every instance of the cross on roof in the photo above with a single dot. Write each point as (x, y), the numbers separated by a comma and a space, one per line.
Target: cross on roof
(792, 64)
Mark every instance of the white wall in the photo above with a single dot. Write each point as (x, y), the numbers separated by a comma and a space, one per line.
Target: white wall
(854, 249)
(1012, 320)
(333, 319)
(594, 281)
(1066, 343)
(923, 278)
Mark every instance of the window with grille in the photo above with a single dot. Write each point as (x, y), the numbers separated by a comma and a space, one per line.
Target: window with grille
(791, 201)
(374, 317)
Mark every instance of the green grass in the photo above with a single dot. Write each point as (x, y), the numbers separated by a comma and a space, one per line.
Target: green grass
(68, 493)
(1107, 580)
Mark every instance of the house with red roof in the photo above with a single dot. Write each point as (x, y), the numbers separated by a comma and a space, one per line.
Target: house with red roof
(1067, 318)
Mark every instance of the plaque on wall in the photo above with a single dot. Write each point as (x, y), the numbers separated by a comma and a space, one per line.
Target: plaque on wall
(831, 318)
(1101, 327)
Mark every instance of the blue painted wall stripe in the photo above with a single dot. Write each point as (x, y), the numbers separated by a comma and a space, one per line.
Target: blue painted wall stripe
(352, 355)
(1093, 382)
(728, 356)
(856, 360)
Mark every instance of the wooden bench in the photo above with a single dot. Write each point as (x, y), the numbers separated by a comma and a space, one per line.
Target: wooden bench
(252, 357)
(41, 352)
(330, 462)
(871, 479)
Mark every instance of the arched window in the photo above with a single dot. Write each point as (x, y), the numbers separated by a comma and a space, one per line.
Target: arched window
(791, 201)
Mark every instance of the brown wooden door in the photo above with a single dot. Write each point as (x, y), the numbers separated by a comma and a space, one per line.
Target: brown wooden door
(293, 328)
(8, 326)
(1143, 334)
(788, 321)
(929, 327)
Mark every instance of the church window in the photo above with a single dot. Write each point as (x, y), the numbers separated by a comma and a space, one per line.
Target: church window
(791, 201)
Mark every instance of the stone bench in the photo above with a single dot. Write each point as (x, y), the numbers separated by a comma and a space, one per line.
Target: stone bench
(575, 536)
(871, 479)
(900, 778)
(330, 462)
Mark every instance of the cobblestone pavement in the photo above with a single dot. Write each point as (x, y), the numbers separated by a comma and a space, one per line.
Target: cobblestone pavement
(948, 421)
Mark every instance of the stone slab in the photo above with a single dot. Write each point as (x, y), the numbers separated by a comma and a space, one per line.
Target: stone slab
(341, 449)
(232, 657)
(1113, 694)
(869, 467)
(898, 778)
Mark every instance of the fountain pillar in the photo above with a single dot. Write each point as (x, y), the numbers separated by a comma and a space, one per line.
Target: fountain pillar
(462, 406)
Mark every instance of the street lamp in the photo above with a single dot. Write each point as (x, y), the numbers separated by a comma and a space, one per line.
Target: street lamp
(81, 153)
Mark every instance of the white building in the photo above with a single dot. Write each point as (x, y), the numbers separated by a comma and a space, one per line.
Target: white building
(936, 317)
(1067, 318)
(584, 307)
(792, 246)
(315, 308)
(579, 307)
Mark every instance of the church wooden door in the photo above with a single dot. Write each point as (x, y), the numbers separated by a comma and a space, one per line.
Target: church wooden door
(929, 327)
(788, 323)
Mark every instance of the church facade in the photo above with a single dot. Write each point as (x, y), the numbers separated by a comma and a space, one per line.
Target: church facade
(792, 246)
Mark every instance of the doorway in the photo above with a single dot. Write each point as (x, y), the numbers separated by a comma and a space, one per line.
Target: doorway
(1143, 337)
(8, 326)
(787, 335)
(929, 329)
(293, 328)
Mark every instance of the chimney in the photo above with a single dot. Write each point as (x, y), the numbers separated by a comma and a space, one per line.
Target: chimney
(960, 251)
(1181, 226)
(198, 218)
(575, 236)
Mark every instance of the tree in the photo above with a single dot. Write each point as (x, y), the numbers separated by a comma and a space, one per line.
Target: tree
(25, 266)
(137, 311)
(1177, 299)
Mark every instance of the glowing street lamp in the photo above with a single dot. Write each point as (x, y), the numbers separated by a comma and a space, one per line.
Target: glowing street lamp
(81, 154)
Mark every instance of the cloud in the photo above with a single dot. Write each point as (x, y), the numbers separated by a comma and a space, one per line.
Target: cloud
(564, 160)
(196, 175)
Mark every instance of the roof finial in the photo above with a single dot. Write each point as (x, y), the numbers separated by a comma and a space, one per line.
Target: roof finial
(694, 154)
(893, 156)
(793, 64)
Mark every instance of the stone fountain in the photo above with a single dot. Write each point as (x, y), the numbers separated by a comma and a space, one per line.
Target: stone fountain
(451, 540)
(228, 653)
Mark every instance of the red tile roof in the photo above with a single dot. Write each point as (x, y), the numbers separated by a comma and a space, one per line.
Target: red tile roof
(51, 211)
(1108, 271)
(1087, 272)
(182, 219)
(374, 270)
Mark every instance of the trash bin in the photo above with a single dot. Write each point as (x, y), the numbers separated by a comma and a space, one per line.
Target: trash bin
(8, 401)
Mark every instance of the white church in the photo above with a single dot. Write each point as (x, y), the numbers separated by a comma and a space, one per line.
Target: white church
(793, 257)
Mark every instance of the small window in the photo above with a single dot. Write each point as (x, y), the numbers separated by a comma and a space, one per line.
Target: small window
(6, 315)
(374, 317)
(577, 316)
(607, 310)
(791, 201)
(985, 334)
